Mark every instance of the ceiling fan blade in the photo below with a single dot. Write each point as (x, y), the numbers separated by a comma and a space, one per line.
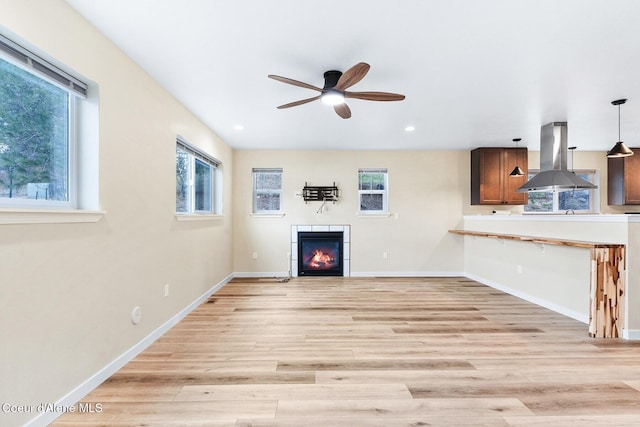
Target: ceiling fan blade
(343, 110)
(352, 76)
(294, 82)
(296, 103)
(375, 96)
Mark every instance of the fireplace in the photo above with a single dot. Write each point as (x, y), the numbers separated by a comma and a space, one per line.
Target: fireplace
(320, 250)
(320, 253)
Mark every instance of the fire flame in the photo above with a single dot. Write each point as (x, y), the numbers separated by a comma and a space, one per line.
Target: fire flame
(320, 259)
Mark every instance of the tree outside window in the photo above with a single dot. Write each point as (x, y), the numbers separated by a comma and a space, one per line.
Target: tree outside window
(579, 200)
(372, 190)
(195, 181)
(267, 190)
(34, 136)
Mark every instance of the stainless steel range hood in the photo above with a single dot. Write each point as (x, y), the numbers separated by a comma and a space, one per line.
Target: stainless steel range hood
(553, 175)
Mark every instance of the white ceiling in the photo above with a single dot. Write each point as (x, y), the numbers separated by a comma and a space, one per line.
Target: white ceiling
(475, 73)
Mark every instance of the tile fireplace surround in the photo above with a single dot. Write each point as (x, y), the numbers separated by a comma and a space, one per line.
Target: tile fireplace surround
(318, 228)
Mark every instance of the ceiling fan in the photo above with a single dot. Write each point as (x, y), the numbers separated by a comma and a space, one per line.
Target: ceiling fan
(334, 91)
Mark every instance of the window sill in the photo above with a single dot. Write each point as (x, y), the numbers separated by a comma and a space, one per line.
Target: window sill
(38, 216)
(268, 215)
(198, 217)
(375, 215)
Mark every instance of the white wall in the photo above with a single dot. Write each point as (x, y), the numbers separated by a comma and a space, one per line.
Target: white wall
(67, 290)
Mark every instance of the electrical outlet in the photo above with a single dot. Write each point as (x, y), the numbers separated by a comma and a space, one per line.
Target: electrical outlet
(255, 255)
(136, 315)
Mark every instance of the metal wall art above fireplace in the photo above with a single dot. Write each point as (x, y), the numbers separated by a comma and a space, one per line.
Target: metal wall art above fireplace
(320, 250)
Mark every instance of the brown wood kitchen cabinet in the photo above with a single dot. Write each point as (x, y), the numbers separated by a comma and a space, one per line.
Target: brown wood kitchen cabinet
(490, 180)
(623, 179)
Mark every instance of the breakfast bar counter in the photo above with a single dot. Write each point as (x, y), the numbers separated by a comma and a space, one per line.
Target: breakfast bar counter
(607, 277)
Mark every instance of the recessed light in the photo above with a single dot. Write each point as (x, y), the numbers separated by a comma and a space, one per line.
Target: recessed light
(409, 128)
(238, 127)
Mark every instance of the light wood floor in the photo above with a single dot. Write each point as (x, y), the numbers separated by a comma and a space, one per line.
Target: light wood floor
(337, 352)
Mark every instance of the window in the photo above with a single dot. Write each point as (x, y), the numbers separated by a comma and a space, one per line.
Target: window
(195, 181)
(571, 201)
(372, 190)
(37, 130)
(267, 190)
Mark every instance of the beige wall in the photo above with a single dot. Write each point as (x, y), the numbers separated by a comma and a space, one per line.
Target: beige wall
(428, 191)
(67, 290)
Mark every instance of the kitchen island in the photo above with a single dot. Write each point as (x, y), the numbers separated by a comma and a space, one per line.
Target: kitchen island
(572, 264)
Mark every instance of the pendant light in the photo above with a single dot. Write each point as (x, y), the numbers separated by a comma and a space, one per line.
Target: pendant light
(516, 172)
(619, 149)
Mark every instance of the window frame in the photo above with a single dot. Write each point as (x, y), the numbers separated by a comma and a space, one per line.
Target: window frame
(76, 91)
(255, 194)
(384, 191)
(195, 155)
(594, 195)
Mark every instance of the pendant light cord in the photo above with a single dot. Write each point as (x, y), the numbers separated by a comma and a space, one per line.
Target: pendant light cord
(619, 139)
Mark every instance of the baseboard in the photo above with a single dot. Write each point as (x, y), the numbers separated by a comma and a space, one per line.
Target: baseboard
(274, 274)
(75, 395)
(580, 317)
(631, 334)
(407, 274)
(278, 274)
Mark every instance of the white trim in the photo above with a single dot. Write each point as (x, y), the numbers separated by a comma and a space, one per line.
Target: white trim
(421, 274)
(580, 317)
(371, 274)
(198, 217)
(48, 216)
(267, 215)
(99, 377)
(631, 334)
(261, 274)
(373, 214)
(277, 274)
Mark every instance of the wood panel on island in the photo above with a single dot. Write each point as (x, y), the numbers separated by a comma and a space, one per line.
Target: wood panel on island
(607, 279)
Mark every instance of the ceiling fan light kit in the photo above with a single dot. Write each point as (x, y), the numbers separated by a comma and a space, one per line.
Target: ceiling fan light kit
(332, 97)
(619, 149)
(334, 90)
